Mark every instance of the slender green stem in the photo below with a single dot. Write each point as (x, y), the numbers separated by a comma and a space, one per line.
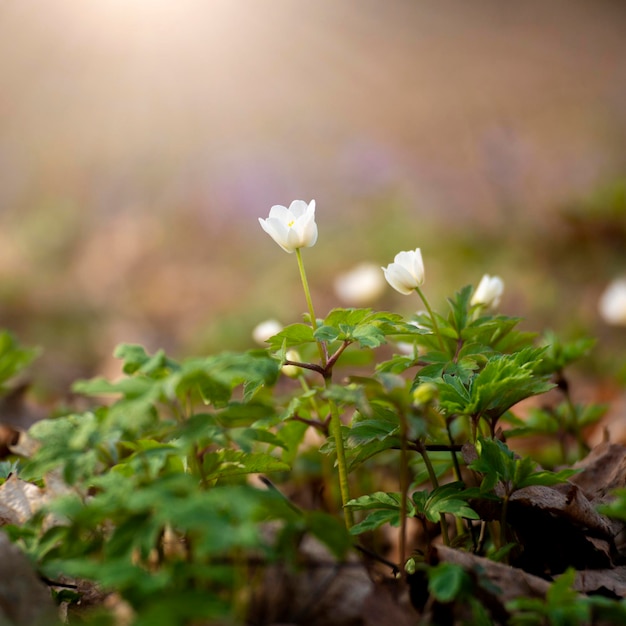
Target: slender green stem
(420, 293)
(309, 302)
(457, 473)
(404, 486)
(335, 418)
(433, 479)
(455, 460)
(342, 466)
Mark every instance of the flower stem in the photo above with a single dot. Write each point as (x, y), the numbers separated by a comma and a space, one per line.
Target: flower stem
(342, 466)
(335, 418)
(420, 293)
(443, 522)
(404, 487)
(309, 302)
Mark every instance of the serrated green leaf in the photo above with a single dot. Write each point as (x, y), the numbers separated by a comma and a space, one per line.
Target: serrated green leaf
(238, 463)
(451, 506)
(547, 478)
(127, 387)
(327, 333)
(362, 452)
(377, 500)
(137, 360)
(369, 336)
(375, 520)
(292, 335)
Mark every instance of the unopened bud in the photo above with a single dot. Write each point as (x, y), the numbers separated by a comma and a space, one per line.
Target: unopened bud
(293, 371)
(425, 393)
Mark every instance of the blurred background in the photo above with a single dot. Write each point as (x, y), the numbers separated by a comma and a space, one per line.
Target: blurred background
(140, 140)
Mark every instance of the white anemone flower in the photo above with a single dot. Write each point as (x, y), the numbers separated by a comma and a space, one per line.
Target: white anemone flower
(263, 331)
(292, 228)
(489, 292)
(612, 305)
(406, 273)
(361, 285)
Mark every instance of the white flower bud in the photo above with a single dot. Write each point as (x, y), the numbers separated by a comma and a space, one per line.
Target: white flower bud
(489, 292)
(293, 371)
(406, 272)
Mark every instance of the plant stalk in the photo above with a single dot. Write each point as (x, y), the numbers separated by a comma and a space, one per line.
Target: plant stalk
(443, 522)
(404, 487)
(307, 294)
(335, 418)
(342, 466)
(420, 293)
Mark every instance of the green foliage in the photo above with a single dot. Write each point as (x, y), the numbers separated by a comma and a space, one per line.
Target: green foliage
(13, 358)
(504, 380)
(386, 510)
(560, 354)
(450, 498)
(158, 501)
(363, 326)
(498, 464)
(448, 581)
(169, 457)
(561, 607)
(386, 507)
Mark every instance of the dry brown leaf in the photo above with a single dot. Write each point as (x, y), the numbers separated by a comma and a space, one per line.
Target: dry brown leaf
(602, 581)
(19, 500)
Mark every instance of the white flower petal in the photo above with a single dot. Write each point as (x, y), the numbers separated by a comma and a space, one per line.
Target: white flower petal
(489, 292)
(292, 228)
(280, 212)
(399, 278)
(300, 207)
(406, 273)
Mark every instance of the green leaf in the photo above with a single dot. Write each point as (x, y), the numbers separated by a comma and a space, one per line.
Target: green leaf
(361, 453)
(377, 500)
(497, 463)
(460, 306)
(127, 387)
(13, 357)
(327, 333)
(292, 335)
(448, 498)
(375, 520)
(559, 354)
(237, 463)
(136, 359)
(447, 581)
(504, 381)
(358, 325)
(547, 478)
